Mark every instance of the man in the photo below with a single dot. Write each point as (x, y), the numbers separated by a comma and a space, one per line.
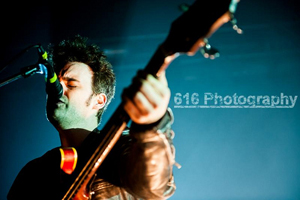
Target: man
(140, 164)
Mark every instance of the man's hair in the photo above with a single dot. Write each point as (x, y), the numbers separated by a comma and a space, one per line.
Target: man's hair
(77, 50)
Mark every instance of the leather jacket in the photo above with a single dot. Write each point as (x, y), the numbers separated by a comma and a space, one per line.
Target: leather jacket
(138, 167)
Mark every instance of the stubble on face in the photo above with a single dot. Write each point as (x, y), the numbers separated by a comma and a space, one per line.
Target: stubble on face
(73, 107)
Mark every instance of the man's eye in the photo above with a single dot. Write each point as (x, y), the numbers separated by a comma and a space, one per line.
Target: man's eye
(72, 86)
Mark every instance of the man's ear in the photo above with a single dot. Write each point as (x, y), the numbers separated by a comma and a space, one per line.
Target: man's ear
(100, 102)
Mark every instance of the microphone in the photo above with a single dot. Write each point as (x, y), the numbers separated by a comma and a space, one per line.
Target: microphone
(53, 87)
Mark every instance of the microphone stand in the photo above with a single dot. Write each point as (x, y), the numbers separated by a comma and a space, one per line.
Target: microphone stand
(26, 72)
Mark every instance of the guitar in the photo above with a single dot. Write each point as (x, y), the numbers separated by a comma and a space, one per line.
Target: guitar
(187, 34)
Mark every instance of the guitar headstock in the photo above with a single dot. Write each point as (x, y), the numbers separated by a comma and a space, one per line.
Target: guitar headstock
(189, 32)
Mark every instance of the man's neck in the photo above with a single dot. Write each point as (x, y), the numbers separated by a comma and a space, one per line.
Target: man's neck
(73, 137)
(73, 134)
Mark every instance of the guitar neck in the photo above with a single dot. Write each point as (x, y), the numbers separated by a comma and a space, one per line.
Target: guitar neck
(160, 60)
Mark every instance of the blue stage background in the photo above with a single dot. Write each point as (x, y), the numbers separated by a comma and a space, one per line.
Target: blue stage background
(225, 153)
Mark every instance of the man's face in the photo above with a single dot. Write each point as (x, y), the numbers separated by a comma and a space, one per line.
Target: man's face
(74, 107)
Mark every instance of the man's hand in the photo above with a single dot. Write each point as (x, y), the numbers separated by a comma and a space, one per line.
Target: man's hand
(150, 102)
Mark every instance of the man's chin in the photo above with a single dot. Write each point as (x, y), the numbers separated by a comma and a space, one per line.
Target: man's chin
(53, 116)
(52, 119)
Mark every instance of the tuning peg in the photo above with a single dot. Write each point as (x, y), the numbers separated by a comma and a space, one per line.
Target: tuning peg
(232, 9)
(208, 51)
(235, 26)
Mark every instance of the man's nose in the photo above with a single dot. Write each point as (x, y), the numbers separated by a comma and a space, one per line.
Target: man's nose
(63, 86)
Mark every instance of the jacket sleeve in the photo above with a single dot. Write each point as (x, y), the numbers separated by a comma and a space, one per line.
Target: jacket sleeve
(147, 165)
